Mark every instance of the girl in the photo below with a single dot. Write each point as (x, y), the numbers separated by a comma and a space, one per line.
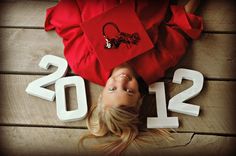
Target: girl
(117, 111)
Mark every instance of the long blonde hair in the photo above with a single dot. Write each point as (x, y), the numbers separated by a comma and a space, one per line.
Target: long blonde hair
(122, 121)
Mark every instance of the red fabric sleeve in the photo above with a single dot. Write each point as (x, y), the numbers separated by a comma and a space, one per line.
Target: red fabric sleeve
(47, 25)
(64, 16)
(191, 24)
(171, 44)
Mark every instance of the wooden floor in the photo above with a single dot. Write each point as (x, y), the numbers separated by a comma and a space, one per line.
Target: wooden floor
(29, 125)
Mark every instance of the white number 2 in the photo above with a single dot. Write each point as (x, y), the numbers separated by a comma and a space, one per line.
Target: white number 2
(176, 103)
(36, 87)
(162, 121)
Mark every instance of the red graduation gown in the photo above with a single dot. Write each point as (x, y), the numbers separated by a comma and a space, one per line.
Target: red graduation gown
(170, 45)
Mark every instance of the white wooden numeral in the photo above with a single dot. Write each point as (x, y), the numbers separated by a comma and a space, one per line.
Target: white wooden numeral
(82, 109)
(36, 87)
(176, 103)
(161, 121)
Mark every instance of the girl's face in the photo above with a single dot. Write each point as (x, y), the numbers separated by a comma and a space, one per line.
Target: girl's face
(121, 88)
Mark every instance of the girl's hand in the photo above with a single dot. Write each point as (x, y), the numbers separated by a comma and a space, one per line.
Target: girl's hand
(191, 6)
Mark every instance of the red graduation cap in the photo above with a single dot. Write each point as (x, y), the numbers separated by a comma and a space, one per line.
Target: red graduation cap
(117, 35)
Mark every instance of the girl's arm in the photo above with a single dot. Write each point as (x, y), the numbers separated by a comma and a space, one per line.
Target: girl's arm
(191, 6)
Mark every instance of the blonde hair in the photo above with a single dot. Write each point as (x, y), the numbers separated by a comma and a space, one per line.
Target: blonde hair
(122, 121)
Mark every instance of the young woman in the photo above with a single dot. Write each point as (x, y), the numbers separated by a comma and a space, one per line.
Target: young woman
(117, 111)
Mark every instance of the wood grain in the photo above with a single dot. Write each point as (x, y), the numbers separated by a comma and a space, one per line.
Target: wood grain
(213, 55)
(216, 101)
(30, 126)
(218, 15)
(202, 145)
(217, 107)
(22, 49)
(25, 14)
(57, 141)
(17, 107)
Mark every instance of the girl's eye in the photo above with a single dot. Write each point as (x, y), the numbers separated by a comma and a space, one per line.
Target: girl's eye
(129, 90)
(111, 89)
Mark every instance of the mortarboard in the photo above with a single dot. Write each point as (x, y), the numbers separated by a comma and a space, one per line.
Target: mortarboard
(117, 35)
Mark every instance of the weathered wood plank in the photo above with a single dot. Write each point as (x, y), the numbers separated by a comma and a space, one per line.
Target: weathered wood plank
(205, 145)
(17, 107)
(24, 13)
(217, 111)
(216, 100)
(217, 107)
(22, 49)
(54, 141)
(218, 14)
(39, 141)
(201, 145)
(213, 55)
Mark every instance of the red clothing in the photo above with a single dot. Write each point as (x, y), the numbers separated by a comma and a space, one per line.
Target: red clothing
(68, 15)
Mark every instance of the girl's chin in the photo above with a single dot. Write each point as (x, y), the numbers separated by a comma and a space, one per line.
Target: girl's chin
(123, 70)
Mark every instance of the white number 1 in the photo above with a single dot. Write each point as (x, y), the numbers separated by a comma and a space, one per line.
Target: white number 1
(162, 121)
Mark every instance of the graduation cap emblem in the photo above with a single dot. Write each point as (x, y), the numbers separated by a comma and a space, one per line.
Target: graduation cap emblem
(121, 37)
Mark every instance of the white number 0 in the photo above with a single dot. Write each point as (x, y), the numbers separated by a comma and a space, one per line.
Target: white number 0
(82, 109)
